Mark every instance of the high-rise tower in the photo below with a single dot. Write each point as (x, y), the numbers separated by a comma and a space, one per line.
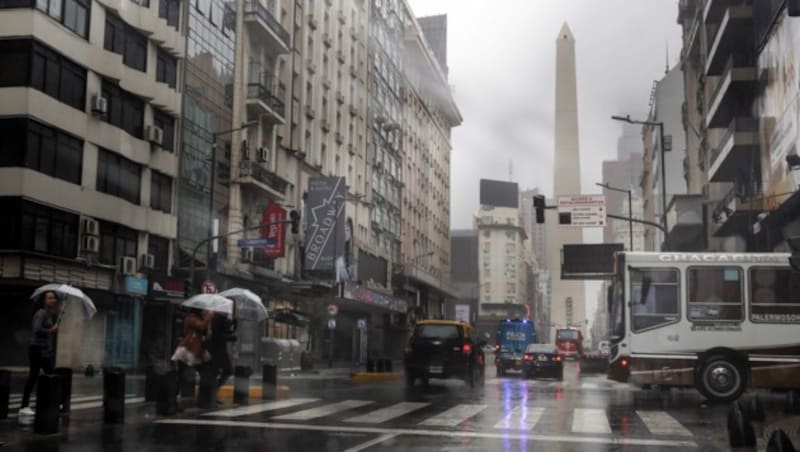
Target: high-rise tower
(567, 307)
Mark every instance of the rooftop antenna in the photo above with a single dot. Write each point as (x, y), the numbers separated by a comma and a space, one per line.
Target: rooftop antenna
(510, 170)
(666, 65)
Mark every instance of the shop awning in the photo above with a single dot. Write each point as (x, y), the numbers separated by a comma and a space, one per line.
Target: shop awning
(290, 317)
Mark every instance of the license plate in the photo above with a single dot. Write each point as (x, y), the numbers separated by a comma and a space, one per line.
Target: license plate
(435, 369)
(542, 358)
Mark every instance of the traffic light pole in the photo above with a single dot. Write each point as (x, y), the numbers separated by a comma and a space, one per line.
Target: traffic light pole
(228, 234)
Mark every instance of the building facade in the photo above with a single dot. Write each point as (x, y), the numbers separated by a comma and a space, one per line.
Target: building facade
(90, 113)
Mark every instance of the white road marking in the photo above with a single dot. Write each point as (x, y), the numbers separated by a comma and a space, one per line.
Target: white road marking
(78, 403)
(590, 420)
(370, 443)
(259, 408)
(661, 423)
(388, 413)
(521, 418)
(590, 385)
(322, 411)
(437, 433)
(454, 416)
(98, 404)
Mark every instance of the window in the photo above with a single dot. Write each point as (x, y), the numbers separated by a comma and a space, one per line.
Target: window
(438, 332)
(73, 14)
(29, 63)
(166, 69)
(170, 11)
(118, 176)
(117, 241)
(34, 227)
(654, 297)
(125, 40)
(159, 248)
(715, 293)
(30, 144)
(125, 110)
(774, 295)
(160, 192)
(167, 124)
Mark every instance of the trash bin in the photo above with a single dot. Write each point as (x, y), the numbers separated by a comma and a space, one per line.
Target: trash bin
(65, 374)
(113, 395)
(241, 384)
(5, 392)
(48, 393)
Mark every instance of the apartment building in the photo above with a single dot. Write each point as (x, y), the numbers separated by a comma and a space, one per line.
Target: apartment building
(91, 110)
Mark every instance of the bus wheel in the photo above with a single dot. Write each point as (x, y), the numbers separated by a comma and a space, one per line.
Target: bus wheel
(720, 379)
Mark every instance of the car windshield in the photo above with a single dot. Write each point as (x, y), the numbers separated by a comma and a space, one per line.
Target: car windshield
(567, 334)
(541, 348)
(438, 331)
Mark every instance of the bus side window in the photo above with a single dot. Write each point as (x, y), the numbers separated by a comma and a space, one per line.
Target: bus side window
(715, 293)
(655, 298)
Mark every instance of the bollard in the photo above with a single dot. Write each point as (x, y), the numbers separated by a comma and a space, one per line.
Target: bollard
(740, 430)
(792, 404)
(388, 365)
(65, 374)
(151, 384)
(370, 365)
(206, 388)
(779, 442)
(379, 365)
(166, 385)
(241, 384)
(5, 392)
(113, 395)
(269, 382)
(756, 410)
(48, 393)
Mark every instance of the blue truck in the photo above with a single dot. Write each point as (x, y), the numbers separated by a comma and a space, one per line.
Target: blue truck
(513, 336)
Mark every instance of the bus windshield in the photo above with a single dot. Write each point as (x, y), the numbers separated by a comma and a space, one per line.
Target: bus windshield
(617, 302)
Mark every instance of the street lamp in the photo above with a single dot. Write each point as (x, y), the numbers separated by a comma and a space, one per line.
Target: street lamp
(660, 126)
(630, 208)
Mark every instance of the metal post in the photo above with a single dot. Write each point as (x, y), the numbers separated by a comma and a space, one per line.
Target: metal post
(663, 187)
(212, 185)
(630, 214)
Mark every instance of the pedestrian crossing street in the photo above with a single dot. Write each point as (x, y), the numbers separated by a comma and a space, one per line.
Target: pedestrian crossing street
(426, 415)
(77, 402)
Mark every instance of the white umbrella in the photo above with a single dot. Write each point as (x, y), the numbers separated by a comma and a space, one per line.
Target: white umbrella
(66, 294)
(210, 301)
(248, 304)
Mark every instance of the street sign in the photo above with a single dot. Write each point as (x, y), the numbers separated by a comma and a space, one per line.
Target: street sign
(208, 287)
(582, 211)
(362, 324)
(274, 221)
(333, 309)
(251, 243)
(331, 324)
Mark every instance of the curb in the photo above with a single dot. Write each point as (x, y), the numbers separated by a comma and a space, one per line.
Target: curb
(373, 377)
(256, 392)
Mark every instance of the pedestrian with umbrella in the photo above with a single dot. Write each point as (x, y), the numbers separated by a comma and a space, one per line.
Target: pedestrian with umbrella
(44, 325)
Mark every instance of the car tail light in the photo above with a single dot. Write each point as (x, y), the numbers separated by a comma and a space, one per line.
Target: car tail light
(624, 362)
(497, 348)
(528, 357)
(557, 358)
(467, 349)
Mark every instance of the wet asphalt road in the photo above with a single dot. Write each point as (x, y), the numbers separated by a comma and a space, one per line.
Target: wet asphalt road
(584, 412)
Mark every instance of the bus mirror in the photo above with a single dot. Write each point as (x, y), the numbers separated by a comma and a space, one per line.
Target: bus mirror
(794, 246)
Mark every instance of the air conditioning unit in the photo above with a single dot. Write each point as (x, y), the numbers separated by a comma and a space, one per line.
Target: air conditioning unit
(155, 135)
(148, 261)
(127, 265)
(263, 155)
(247, 254)
(90, 244)
(99, 104)
(90, 226)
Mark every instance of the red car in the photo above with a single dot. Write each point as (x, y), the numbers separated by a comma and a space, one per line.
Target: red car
(570, 342)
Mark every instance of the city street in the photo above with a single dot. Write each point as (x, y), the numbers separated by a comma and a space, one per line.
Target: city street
(580, 413)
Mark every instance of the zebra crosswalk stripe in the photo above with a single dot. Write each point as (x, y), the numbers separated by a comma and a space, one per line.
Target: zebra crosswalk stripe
(454, 415)
(521, 418)
(388, 413)
(590, 420)
(661, 423)
(259, 408)
(322, 411)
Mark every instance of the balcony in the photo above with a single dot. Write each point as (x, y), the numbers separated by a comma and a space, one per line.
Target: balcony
(341, 16)
(734, 91)
(339, 97)
(261, 100)
(339, 138)
(353, 110)
(325, 125)
(340, 56)
(686, 226)
(737, 149)
(326, 82)
(311, 66)
(734, 34)
(353, 71)
(265, 26)
(327, 40)
(252, 174)
(736, 213)
(310, 112)
(313, 22)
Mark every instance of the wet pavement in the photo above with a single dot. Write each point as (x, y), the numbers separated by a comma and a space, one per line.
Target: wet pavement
(584, 412)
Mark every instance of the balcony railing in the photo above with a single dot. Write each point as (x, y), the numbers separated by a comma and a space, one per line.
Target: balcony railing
(264, 94)
(257, 9)
(250, 168)
(737, 125)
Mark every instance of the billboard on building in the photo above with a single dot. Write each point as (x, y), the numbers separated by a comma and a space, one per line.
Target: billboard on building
(325, 228)
(499, 193)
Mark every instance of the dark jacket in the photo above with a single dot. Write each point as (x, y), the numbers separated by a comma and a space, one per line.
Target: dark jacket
(41, 324)
(222, 330)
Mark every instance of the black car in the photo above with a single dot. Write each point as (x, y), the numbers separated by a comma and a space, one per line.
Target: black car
(444, 349)
(543, 360)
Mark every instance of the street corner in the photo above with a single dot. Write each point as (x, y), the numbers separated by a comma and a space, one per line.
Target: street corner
(375, 377)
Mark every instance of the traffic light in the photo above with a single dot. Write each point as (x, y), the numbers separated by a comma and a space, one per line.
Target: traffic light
(794, 246)
(294, 218)
(538, 205)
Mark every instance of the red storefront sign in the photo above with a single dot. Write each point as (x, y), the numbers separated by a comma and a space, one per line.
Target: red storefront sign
(274, 229)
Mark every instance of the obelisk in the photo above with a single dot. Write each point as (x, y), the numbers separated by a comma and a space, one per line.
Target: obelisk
(567, 301)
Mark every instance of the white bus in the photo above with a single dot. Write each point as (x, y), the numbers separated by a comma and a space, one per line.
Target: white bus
(720, 322)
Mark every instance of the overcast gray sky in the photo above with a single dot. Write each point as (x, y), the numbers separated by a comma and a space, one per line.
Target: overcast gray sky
(501, 55)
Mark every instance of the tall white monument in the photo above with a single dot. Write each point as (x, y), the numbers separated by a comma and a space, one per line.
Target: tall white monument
(567, 303)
